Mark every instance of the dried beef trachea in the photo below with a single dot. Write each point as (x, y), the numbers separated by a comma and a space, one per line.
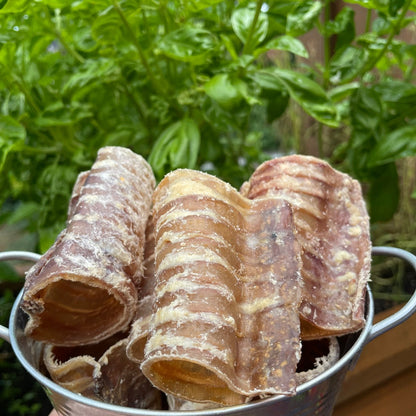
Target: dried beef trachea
(178, 404)
(317, 356)
(141, 322)
(74, 374)
(332, 227)
(120, 381)
(73, 367)
(84, 288)
(102, 372)
(225, 325)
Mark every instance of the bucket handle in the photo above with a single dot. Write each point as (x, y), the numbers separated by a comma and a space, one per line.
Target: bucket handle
(379, 328)
(408, 309)
(15, 255)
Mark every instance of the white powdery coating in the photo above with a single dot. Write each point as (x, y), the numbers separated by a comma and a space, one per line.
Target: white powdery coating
(101, 248)
(220, 312)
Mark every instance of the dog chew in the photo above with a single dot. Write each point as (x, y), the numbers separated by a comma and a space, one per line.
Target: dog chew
(177, 404)
(73, 367)
(84, 288)
(120, 381)
(225, 326)
(317, 356)
(141, 323)
(102, 372)
(332, 227)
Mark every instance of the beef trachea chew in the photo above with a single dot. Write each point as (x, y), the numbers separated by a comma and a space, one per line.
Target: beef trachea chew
(120, 381)
(102, 372)
(141, 322)
(332, 227)
(73, 367)
(225, 326)
(84, 288)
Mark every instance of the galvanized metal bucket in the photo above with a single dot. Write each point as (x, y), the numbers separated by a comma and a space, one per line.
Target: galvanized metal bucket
(315, 397)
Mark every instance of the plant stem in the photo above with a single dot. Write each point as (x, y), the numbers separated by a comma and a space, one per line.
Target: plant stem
(68, 48)
(156, 85)
(138, 104)
(368, 20)
(394, 30)
(27, 94)
(326, 72)
(409, 71)
(165, 19)
(246, 48)
(41, 150)
(58, 33)
(327, 45)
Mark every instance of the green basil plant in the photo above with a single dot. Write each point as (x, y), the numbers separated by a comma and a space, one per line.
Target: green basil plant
(199, 84)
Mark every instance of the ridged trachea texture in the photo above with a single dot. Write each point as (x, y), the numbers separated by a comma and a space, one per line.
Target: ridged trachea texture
(84, 288)
(332, 227)
(225, 325)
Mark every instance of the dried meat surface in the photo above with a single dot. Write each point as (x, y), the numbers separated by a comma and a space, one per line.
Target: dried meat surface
(73, 367)
(120, 381)
(178, 404)
(84, 288)
(146, 294)
(317, 356)
(215, 286)
(75, 374)
(225, 325)
(102, 372)
(332, 227)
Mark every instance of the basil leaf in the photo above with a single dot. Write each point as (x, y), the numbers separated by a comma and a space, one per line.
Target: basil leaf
(198, 5)
(90, 73)
(277, 105)
(309, 95)
(12, 137)
(343, 91)
(366, 110)
(59, 114)
(397, 94)
(57, 4)
(184, 151)
(226, 90)
(242, 22)
(160, 152)
(347, 63)
(107, 28)
(303, 17)
(395, 6)
(11, 129)
(285, 43)
(366, 115)
(343, 26)
(188, 44)
(177, 147)
(267, 80)
(394, 145)
(228, 43)
(14, 6)
(380, 5)
(384, 192)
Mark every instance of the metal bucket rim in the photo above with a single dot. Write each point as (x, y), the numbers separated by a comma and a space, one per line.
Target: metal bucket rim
(48, 384)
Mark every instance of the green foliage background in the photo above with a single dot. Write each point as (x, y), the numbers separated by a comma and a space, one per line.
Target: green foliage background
(204, 84)
(193, 84)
